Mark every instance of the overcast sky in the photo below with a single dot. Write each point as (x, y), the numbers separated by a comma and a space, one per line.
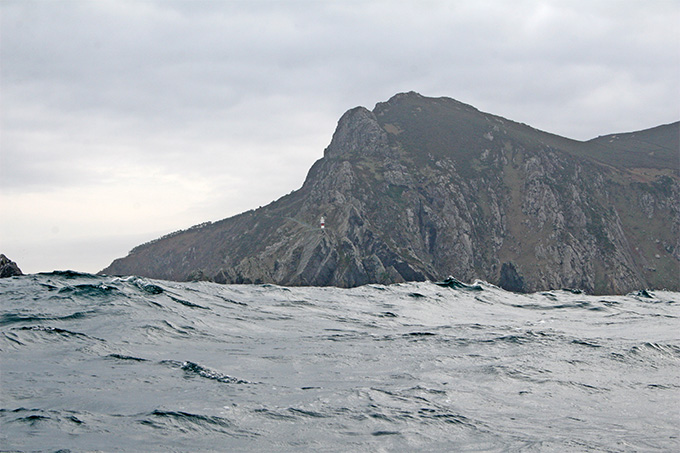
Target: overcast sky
(125, 120)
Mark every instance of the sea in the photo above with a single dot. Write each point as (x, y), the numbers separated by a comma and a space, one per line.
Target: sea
(98, 363)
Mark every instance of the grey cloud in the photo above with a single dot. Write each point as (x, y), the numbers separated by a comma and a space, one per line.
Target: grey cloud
(211, 90)
(185, 64)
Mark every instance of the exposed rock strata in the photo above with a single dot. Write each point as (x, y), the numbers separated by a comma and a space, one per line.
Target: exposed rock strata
(422, 188)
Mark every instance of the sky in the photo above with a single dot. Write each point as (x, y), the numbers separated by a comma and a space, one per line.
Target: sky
(121, 121)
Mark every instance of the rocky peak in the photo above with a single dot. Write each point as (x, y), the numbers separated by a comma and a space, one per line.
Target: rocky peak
(358, 133)
(399, 97)
(413, 100)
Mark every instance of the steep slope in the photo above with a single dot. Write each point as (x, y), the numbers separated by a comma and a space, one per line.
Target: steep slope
(421, 188)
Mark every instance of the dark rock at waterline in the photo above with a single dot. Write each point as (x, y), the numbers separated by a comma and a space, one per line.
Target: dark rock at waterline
(451, 282)
(8, 268)
(510, 279)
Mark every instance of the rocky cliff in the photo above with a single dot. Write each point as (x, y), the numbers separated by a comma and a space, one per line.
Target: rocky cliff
(422, 188)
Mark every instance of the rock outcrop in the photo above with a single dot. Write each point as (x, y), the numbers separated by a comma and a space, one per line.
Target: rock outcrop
(422, 188)
(8, 268)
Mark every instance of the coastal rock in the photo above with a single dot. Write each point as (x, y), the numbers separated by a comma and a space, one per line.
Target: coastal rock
(358, 133)
(8, 268)
(422, 188)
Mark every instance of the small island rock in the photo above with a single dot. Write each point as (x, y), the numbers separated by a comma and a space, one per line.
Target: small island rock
(8, 268)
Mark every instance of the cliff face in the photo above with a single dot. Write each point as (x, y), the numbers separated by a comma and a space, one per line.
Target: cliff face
(422, 188)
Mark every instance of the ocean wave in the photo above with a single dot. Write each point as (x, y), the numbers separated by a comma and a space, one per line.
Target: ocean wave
(187, 422)
(88, 290)
(135, 364)
(20, 318)
(192, 369)
(50, 333)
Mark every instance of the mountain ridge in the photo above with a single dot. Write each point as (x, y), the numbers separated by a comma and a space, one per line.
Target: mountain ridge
(422, 188)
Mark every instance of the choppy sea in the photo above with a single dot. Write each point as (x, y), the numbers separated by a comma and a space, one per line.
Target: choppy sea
(96, 363)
